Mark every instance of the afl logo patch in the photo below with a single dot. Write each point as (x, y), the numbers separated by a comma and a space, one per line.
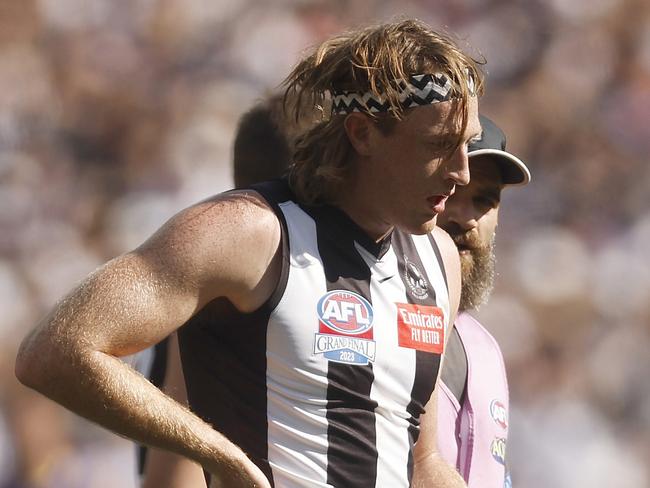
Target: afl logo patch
(345, 333)
(498, 450)
(499, 413)
(415, 279)
(345, 312)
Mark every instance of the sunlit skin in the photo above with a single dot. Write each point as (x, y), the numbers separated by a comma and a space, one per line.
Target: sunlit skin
(402, 179)
(471, 219)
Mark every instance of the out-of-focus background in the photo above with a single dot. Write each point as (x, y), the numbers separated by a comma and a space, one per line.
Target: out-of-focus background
(116, 113)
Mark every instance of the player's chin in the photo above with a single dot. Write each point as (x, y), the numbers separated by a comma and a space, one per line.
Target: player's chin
(421, 227)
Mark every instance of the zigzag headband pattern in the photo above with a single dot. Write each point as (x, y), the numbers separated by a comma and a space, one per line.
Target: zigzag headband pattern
(417, 90)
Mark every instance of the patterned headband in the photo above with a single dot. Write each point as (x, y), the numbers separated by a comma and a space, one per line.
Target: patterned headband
(417, 90)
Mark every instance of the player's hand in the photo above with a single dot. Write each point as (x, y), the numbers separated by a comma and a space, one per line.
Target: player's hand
(242, 473)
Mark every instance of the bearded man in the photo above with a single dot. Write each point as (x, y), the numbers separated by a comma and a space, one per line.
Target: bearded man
(473, 395)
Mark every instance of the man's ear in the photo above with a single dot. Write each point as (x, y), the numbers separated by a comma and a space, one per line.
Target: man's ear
(359, 128)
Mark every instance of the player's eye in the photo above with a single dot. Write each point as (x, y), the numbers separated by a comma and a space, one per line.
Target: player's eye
(485, 202)
(442, 145)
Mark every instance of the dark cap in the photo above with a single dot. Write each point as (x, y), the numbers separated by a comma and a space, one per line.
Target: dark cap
(493, 143)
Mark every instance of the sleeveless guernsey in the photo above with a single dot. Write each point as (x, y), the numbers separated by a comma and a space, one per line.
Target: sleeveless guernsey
(324, 385)
(473, 430)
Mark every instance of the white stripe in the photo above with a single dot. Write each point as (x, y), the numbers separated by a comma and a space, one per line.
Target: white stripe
(394, 371)
(296, 378)
(434, 272)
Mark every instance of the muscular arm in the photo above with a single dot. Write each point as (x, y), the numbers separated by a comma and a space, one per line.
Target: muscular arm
(137, 299)
(430, 469)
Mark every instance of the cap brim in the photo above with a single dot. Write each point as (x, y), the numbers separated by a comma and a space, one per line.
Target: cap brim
(515, 172)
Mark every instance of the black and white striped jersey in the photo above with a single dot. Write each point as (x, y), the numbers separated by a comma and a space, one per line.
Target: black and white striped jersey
(324, 385)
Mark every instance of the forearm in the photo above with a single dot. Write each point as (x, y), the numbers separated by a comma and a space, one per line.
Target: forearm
(435, 472)
(104, 390)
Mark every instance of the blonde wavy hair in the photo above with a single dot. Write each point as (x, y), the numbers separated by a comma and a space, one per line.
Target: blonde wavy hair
(377, 59)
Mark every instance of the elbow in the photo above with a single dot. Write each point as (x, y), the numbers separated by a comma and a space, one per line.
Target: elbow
(36, 362)
(26, 368)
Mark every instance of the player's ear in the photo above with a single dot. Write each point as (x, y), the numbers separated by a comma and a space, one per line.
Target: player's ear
(359, 127)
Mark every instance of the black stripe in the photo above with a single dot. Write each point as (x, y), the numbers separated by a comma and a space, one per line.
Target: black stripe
(159, 365)
(426, 363)
(454, 371)
(352, 450)
(436, 250)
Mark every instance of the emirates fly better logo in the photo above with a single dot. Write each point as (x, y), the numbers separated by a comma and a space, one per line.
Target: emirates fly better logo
(421, 327)
(345, 333)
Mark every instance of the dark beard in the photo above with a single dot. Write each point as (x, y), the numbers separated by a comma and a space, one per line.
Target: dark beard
(476, 268)
(477, 274)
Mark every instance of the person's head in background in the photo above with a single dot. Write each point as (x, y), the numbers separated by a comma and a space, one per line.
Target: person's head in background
(264, 141)
(262, 149)
(472, 213)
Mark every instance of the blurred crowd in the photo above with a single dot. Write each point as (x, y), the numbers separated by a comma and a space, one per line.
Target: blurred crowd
(114, 114)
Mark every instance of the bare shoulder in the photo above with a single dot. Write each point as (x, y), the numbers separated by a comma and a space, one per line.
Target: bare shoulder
(224, 245)
(236, 214)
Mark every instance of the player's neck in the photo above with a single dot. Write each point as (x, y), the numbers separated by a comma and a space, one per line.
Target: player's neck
(353, 200)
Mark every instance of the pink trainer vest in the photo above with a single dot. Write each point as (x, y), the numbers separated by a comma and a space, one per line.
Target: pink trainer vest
(473, 436)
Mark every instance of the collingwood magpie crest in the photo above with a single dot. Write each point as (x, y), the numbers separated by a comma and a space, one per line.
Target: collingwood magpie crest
(415, 279)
